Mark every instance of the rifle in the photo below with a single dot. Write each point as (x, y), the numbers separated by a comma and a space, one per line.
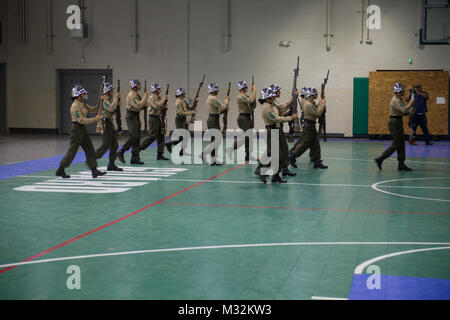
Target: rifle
(164, 114)
(411, 118)
(99, 128)
(194, 105)
(322, 119)
(252, 120)
(118, 112)
(225, 114)
(145, 111)
(295, 124)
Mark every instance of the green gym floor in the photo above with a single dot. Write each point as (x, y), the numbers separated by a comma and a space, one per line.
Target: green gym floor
(164, 231)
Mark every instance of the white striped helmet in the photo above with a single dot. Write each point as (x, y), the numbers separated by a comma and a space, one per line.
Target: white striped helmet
(107, 87)
(310, 92)
(398, 88)
(274, 88)
(213, 87)
(267, 93)
(78, 91)
(303, 92)
(134, 83)
(180, 92)
(155, 87)
(242, 85)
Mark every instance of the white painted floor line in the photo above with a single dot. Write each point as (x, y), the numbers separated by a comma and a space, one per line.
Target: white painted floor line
(111, 254)
(328, 298)
(359, 269)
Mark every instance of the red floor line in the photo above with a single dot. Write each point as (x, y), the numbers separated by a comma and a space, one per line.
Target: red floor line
(290, 208)
(120, 219)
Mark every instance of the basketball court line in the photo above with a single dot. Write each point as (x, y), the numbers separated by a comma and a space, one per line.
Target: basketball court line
(299, 209)
(119, 220)
(202, 248)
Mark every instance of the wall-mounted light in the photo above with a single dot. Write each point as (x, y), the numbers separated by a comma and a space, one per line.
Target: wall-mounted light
(285, 44)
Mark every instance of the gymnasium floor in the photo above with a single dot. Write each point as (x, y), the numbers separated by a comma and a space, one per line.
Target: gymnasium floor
(199, 232)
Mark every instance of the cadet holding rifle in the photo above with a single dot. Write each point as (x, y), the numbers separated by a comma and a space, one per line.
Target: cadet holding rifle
(118, 111)
(110, 136)
(134, 106)
(215, 108)
(79, 135)
(310, 137)
(398, 109)
(322, 119)
(155, 106)
(246, 106)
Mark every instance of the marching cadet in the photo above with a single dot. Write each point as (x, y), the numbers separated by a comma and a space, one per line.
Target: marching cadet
(246, 105)
(110, 135)
(310, 137)
(182, 113)
(134, 106)
(215, 108)
(283, 110)
(79, 135)
(398, 109)
(273, 121)
(155, 105)
(302, 102)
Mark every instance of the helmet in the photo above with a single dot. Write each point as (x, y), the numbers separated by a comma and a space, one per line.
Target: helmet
(303, 92)
(398, 88)
(274, 88)
(155, 87)
(213, 87)
(242, 85)
(134, 83)
(267, 93)
(180, 91)
(107, 87)
(78, 91)
(311, 92)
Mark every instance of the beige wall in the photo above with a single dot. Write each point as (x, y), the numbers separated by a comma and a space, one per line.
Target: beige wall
(257, 26)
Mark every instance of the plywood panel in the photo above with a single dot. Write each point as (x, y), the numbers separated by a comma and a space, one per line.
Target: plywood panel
(381, 83)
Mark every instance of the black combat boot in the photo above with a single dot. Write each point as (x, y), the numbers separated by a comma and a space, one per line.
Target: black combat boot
(402, 167)
(379, 162)
(258, 169)
(276, 178)
(112, 166)
(62, 174)
(161, 157)
(96, 173)
(288, 173)
(120, 156)
(136, 160)
(319, 165)
(292, 161)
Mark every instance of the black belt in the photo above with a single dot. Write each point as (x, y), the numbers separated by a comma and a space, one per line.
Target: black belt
(396, 117)
(153, 116)
(107, 119)
(310, 121)
(76, 123)
(135, 112)
(214, 115)
(272, 126)
(248, 115)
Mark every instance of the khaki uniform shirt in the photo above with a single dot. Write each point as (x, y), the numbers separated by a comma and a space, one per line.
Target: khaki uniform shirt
(135, 102)
(215, 106)
(245, 103)
(109, 107)
(398, 107)
(311, 111)
(155, 104)
(182, 107)
(271, 115)
(284, 108)
(79, 112)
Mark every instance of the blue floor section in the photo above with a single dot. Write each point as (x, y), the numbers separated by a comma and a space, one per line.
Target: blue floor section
(400, 288)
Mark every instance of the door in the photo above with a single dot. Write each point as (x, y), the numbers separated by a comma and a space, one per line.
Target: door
(91, 80)
(3, 129)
